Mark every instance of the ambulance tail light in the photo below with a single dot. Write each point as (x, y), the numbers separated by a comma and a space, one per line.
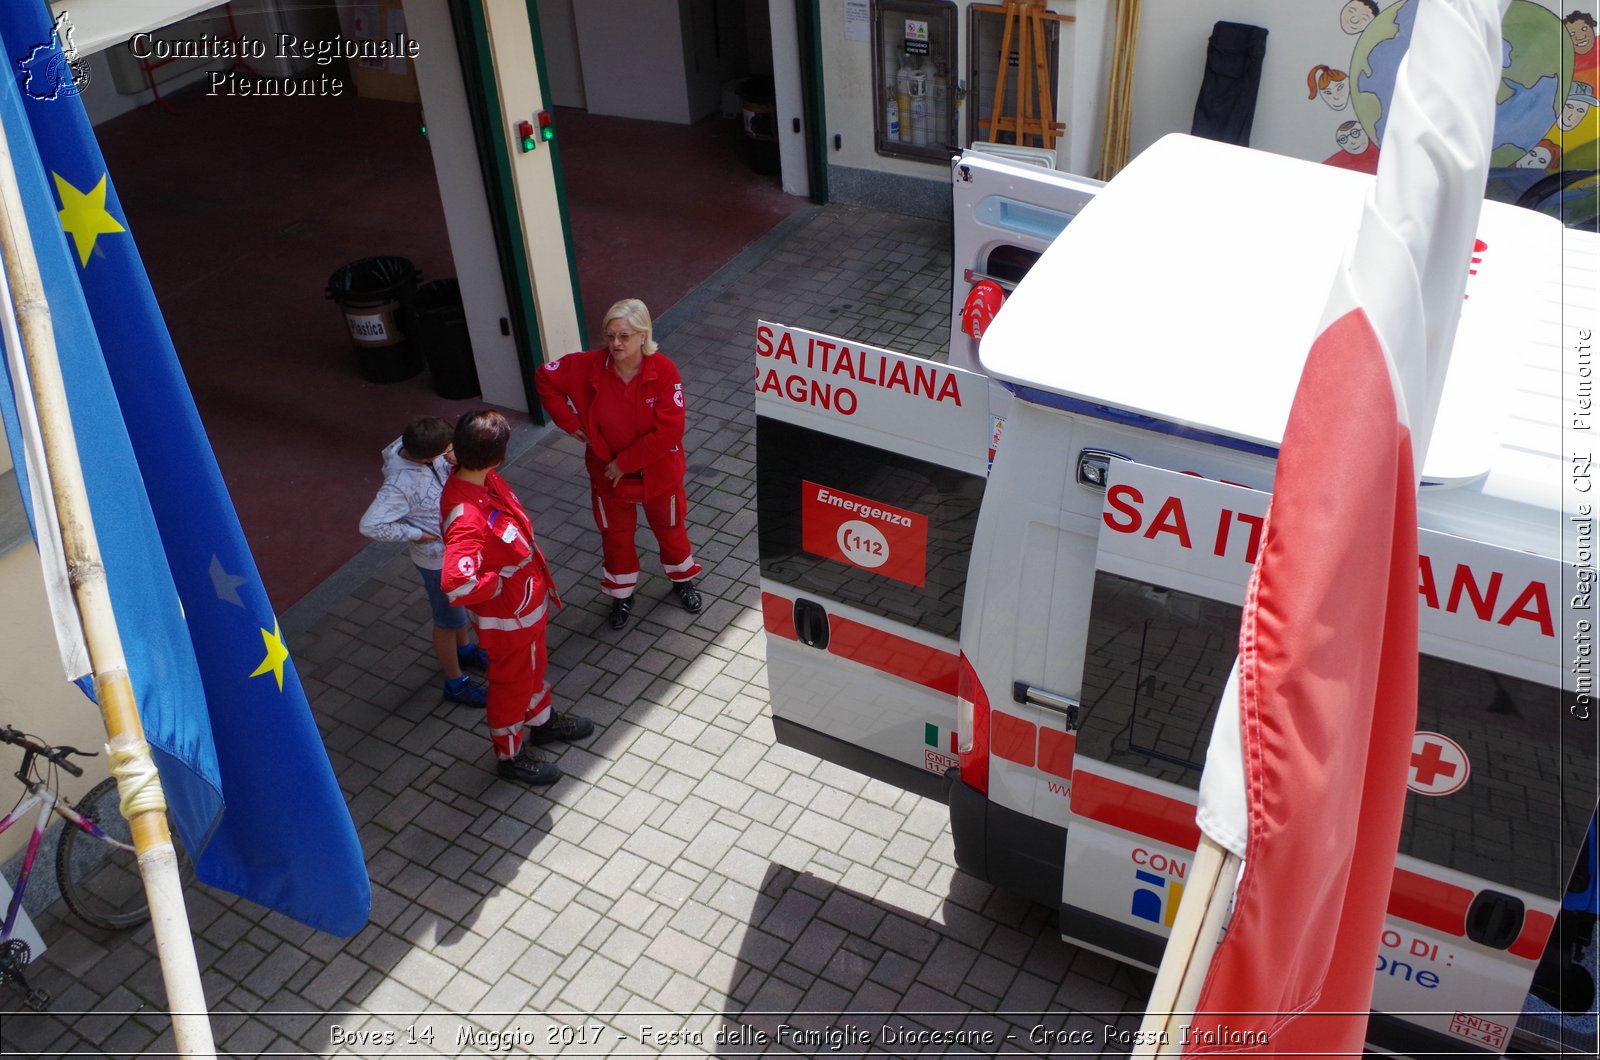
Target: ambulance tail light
(972, 728)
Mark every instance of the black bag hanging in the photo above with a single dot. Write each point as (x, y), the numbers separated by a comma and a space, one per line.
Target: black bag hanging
(1226, 106)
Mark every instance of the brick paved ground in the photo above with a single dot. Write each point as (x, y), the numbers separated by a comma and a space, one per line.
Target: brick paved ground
(688, 875)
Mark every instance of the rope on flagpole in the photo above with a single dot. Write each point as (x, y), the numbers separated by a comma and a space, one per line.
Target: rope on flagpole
(136, 775)
(138, 783)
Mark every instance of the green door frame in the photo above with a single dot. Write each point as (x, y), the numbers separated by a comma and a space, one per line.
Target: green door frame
(808, 28)
(485, 106)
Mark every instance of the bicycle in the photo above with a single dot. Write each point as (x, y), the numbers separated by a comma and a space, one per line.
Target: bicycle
(96, 865)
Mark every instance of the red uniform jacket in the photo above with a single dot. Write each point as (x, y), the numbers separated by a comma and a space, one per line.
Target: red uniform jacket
(639, 423)
(492, 565)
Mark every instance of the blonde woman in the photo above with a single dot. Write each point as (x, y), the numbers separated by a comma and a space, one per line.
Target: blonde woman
(624, 402)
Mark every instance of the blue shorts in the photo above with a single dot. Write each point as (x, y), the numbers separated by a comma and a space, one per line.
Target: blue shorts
(444, 616)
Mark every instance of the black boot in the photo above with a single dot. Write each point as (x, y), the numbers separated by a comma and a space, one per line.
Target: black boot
(565, 727)
(688, 596)
(529, 767)
(621, 607)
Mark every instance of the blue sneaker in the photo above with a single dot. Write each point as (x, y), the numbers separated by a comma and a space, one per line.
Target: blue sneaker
(463, 691)
(472, 658)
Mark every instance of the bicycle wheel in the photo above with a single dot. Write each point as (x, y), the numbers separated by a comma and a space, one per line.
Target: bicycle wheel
(100, 881)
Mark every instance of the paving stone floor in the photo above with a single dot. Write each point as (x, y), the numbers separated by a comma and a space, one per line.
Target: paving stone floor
(690, 888)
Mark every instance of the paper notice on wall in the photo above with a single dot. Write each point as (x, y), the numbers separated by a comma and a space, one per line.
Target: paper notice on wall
(857, 20)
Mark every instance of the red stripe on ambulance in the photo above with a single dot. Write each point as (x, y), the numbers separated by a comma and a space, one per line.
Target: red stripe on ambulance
(777, 615)
(1021, 741)
(1134, 810)
(1536, 926)
(1419, 899)
(1429, 902)
(1012, 738)
(897, 656)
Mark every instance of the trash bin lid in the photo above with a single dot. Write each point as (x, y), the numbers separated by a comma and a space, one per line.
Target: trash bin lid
(386, 275)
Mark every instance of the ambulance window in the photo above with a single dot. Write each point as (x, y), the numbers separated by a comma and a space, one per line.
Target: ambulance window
(1009, 263)
(1518, 812)
(1154, 668)
(807, 475)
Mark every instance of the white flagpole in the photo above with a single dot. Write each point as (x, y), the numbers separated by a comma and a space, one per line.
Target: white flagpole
(1187, 958)
(142, 803)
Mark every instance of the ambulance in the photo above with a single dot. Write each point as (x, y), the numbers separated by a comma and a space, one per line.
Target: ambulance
(1032, 620)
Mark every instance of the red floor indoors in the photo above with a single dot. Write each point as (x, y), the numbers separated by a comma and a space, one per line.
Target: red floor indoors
(243, 208)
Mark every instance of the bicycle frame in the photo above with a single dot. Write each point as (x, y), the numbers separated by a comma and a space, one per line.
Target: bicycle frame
(47, 800)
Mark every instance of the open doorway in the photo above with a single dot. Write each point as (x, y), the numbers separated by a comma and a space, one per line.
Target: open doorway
(669, 141)
(243, 206)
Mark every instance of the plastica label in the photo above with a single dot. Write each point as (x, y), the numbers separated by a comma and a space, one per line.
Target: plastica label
(864, 533)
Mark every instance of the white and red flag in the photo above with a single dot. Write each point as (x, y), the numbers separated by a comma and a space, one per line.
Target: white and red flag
(1306, 781)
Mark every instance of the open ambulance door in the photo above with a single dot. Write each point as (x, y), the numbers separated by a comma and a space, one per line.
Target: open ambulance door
(1006, 215)
(1163, 631)
(1501, 783)
(870, 468)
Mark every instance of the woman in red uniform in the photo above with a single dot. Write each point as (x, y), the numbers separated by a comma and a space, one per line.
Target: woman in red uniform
(624, 402)
(494, 569)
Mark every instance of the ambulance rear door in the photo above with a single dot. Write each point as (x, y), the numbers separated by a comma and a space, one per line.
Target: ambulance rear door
(1005, 215)
(1501, 781)
(870, 469)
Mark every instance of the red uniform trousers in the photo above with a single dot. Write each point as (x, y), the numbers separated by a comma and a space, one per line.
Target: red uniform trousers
(618, 522)
(519, 695)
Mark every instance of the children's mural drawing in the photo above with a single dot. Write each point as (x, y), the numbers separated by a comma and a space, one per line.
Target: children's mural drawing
(1547, 114)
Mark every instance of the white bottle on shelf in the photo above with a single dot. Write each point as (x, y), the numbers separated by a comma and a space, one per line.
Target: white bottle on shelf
(919, 105)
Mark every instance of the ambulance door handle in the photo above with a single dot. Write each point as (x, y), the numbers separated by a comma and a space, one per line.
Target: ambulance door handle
(811, 623)
(1495, 919)
(1066, 706)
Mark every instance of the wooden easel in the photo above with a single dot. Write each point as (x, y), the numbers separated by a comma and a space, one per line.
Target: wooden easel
(1025, 21)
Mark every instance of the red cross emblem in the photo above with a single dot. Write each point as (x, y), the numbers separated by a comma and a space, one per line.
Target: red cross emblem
(1438, 765)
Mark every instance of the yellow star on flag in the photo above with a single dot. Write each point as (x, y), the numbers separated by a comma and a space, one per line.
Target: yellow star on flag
(277, 655)
(84, 215)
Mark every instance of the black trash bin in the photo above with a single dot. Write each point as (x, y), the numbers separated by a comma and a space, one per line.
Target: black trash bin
(440, 327)
(371, 292)
(758, 111)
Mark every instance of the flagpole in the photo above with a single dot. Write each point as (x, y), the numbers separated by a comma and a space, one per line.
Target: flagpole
(1187, 958)
(142, 800)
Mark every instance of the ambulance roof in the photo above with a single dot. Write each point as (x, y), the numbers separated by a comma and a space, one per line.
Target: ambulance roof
(1185, 295)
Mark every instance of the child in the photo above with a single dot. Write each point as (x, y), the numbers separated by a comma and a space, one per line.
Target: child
(415, 467)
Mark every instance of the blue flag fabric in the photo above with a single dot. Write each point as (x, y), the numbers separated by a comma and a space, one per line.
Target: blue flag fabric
(243, 763)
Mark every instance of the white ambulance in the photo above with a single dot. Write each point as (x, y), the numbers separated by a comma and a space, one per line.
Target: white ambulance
(1042, 642)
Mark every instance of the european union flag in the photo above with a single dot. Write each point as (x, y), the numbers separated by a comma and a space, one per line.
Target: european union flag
(240, 756)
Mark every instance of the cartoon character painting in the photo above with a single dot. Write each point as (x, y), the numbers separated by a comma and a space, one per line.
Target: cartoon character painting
(1585, 59)
(1546, 118)
(1542, 155)
(1357, 15)
(1356, 149)
(1332, 85)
